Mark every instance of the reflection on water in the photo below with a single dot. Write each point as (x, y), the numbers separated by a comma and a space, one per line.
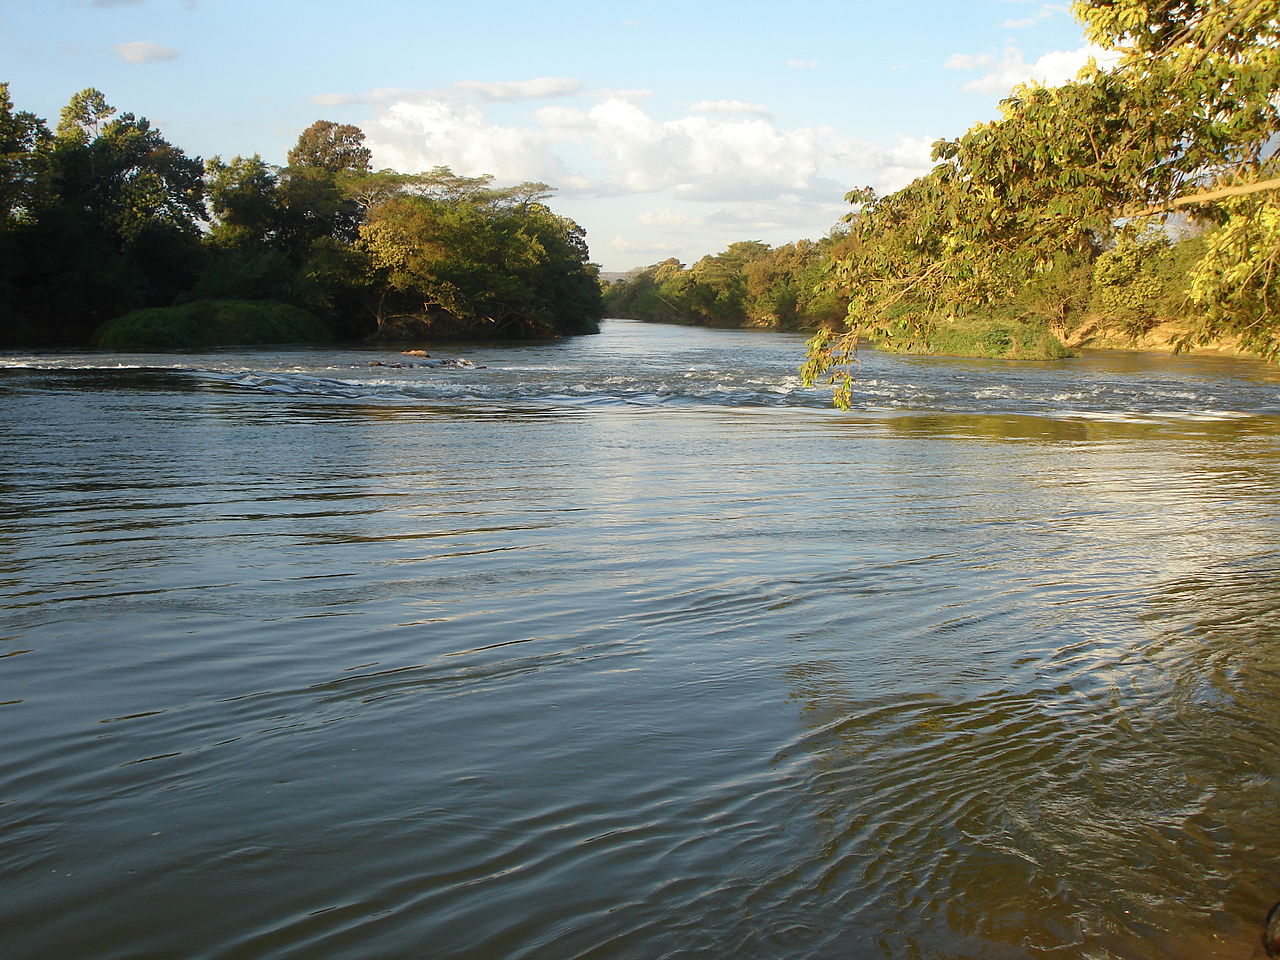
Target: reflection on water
(628, 646)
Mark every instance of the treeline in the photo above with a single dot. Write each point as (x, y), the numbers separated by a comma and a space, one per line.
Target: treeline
(110, 234)
(749, 284)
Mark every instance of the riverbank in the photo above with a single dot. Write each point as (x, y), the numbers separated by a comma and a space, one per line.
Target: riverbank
(998, 339)
(1170, 337)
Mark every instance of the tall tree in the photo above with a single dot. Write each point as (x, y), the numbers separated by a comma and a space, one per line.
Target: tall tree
(457, 255)
(22, 135)
(336, 147)
(114, 225)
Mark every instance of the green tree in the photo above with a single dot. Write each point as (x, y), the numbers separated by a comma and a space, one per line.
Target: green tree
(243, 200)
(22, 139)
(1017, 204)
(111, 225)
(335, 147)
(458, 256)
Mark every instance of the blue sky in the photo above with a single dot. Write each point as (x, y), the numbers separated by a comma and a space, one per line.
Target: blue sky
(667, 129)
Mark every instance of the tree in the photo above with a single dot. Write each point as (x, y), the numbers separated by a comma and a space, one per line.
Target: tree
(242, 199)
(22, 136)
(83, 116)
(22, 139)
(459, 256)
(1023, 202)
(111, 225)
(335, 147)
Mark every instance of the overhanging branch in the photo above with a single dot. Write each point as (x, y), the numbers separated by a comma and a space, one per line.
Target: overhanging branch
(1208, 196)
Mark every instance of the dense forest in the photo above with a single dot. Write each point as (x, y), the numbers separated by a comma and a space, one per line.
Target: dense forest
(1131, 198)
(111, 235)
(749, 284)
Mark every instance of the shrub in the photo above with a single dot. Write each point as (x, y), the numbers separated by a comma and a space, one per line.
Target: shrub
(211, 323)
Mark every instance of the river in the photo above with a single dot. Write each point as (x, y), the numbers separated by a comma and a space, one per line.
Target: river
(629, 646)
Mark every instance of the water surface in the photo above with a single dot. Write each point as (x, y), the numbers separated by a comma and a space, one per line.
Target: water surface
(629, 646)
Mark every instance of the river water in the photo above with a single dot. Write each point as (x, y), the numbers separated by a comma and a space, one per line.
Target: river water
(629, 646)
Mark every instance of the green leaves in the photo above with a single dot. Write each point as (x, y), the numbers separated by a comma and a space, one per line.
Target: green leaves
(1019, 200)
(455, 255)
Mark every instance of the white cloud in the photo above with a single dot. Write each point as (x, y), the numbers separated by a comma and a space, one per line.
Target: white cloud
(731, 106)
(610, 94)
(689, 184)
(620, 244)
(796, 64)
(891, 167)
(966, 61)
(1055, 67)
(616, 148)
(144, 51)
(538, 89)
(700, 157)
(670, 219)
(413, 135)
(1046, 11)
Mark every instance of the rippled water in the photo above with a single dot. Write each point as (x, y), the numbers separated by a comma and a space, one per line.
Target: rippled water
(629, 647)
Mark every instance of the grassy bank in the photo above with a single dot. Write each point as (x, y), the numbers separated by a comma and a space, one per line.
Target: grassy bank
(212, 323)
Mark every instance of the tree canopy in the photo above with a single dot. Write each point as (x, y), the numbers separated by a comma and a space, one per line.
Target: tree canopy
(103, 217)
(747, 284)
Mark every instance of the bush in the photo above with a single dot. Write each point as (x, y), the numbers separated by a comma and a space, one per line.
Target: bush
(1130, 281)
(997, 339)
(211, 323)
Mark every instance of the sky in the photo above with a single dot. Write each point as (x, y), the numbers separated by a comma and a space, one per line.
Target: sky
(667, 129)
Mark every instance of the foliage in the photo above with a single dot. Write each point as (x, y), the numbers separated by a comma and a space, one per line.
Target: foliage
(106, 221)
(335, 147)
(21, 134)
(1236, 285)
(1128, 279)
(243, 200)
(211, 323)
(748, 284)
(1018, 204)
(104, 217)
(457, 254)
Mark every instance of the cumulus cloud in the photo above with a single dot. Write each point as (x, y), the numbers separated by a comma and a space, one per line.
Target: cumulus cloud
(144, 51)
(422, 133)
(1005, 73)
(699, 157)
(538, 89)
(796, 64)
(699, 180)
(616, 147)
(731, 106)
